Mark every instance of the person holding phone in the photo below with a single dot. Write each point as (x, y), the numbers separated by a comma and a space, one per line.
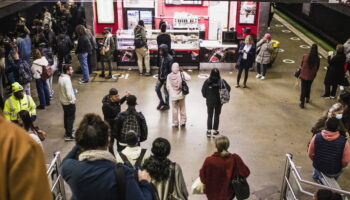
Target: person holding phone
(246, 59)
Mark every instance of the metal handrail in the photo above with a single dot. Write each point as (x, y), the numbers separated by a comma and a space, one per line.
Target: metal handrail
(56, 180)
(290, 167)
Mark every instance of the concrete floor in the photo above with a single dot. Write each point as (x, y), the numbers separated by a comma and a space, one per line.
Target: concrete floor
(263, 121)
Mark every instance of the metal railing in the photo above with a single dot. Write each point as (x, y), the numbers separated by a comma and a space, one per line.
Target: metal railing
(57, 183)
(287, 191)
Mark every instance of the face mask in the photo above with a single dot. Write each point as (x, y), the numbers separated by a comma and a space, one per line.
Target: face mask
(339, 116)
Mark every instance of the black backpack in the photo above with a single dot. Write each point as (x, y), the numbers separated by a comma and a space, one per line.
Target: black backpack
(131, 122)
(62, 45)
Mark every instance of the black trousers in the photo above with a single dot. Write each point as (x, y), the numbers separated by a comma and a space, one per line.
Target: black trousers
(68, 118)
(214, 112)
(67, 58)
(305, 90)
(329, 92)
(240, 71)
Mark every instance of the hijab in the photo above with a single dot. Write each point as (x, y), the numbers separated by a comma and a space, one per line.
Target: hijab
(175, 78)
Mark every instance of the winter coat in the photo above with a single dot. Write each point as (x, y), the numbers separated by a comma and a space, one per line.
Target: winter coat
(140, 33)
(335, 70)
(321, 125)
(37, 67)
(14, 65)
(84, 45)
(217, 174)
(111, 109)
(51, 39)
(265, 48)
(250, 56)
(174, 96)
(18, 151)
(210, 91)
(307, 73)
(67, 45)
(164, 38)
(166, 62)
(347, 50)
(90, 180)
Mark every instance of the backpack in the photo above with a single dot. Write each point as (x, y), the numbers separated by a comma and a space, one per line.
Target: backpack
(130, 122)
(47, 72)
(62, 45)
(24, 73)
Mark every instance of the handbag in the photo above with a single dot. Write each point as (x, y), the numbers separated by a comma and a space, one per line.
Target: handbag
(239, 184)
(297, 73)
(224, 93)
(197, 187)
(184, 86)
(46, 73)
(40, 133)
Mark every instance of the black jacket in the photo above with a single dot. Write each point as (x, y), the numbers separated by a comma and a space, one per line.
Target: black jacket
(210, 91)
(118, 125)
(84, 45)
(335, 71)
(164, 38)
(166, 63)
(111, 109)
(64, 44)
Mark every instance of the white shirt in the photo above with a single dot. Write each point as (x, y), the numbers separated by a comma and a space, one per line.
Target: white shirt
(132, 153)
(246, 48)
(66, 90)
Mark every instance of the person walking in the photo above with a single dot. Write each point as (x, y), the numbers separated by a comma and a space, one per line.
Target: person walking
(218, 170)
(25, 121)
(41, 85)
(92, 172)
(329, 151)
(246, 59)
(309, 67)
(64, 46)
(174, 86)
(130, 120)
(335, 72)
(210, 91)
(263, 58)
(163, 72)
(68, 100)
(18, 101)
(84, 47)
(106, 53)
(141, 48)
(166, 175)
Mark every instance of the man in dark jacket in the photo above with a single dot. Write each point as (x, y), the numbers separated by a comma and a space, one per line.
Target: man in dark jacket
(166, 62)
(111, 108)
(64, 46)
(129, 120)
(163, 38)
(92, 172)
(50, 37)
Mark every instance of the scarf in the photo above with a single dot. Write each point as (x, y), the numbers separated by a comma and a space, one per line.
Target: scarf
(93, 155)
(175, 78)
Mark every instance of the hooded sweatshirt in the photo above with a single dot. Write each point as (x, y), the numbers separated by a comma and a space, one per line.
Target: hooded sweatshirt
(330, 136)
(174, 82)
(166, 63)
(37, 67)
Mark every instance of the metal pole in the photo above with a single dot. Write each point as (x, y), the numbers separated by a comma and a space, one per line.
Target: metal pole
(60, 180)
(286, 175)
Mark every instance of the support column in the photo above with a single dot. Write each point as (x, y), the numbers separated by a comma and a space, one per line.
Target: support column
(89, 14)
(264, 13)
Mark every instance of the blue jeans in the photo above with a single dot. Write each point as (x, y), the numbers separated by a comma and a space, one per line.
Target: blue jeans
(317, 175)
(43, 92)
(159, 86)
(83, 60)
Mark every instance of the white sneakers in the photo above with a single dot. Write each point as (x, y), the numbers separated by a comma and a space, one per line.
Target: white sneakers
(261, 77)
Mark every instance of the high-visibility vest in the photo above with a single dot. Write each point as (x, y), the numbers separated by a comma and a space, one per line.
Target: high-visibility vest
(13, 106)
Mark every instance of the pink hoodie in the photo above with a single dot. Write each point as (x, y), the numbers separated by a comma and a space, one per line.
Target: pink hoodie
(330, 136)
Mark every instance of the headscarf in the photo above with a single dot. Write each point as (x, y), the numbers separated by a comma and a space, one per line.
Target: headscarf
(175, 78)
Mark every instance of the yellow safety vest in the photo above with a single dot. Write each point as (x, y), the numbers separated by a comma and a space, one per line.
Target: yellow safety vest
(13, 106)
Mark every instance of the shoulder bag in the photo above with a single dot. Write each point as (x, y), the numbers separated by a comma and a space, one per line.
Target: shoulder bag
(184, 86)
(40, 133)
(240, 185)
(224, 93)
(297, 73)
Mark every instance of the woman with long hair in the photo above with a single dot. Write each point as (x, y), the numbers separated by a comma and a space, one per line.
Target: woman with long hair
(84, 48)
(217, 171)
(166, 175)
(26, 122)
(309, 67)
(246, 59)
(210, 92)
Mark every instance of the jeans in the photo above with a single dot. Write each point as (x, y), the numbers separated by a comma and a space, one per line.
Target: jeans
(240, 70)
(264, 68)
(143, 55)
(66, 58)
(328, 91)
(43, 92)
(83, 60)
(305, 90)
(68, 118)
(214, 112)
(159, 86)
(317, 175)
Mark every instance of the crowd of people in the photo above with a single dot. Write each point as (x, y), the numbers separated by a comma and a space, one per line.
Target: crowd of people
(108, 160)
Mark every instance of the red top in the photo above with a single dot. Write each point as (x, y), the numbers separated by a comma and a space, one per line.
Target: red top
(217, 175)
(306, 72)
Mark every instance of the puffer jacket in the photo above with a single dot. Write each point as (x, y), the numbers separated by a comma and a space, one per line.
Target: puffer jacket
(347, 50)
(37, 67)
(166, 62)
(264, 55)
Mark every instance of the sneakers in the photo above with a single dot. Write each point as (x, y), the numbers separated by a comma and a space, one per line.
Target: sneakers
(183, 125)
(109, 76)
(301, 105)
(216, 133)
(148, 74)
(237, 86)
(262, 78)
(140, 73)
(102, 75)
(332, 97)
(159, 105)
(69, 138)
(164, 107)
(208, 134)
(258, 76)
(83, 82)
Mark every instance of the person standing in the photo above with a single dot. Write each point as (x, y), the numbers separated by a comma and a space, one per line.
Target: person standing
(23, 41)
(141, 48)
(163, 38)
(309, 67)
(335, 72)
(174, 86)
(246, 59)
(92, 57)
(50, 37)
(263, 58)
(106, 53)
(84, 48)
(163, 72)
(218, 169)
(64, 46)
(210, 91)
(68, 100)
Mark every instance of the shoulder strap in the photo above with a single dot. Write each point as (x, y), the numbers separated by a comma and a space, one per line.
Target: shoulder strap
(121, 185)
(125, 159)
(140, 158)
(172, 179)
